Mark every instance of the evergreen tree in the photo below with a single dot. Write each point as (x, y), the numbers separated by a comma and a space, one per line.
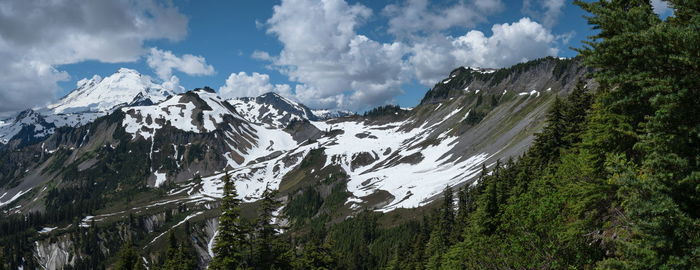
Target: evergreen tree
(578, 104)
(268, 246)
(447, 219)
(230, 242)
(178, 255)
(548, 143)
(127, 258)
(316, 257)
(652, 96)
(462, 208)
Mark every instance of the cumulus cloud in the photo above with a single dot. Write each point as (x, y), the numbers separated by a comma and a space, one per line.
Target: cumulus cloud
(164, 62)
(509, 44)
(36, 37)
(336, 67)
(548, 11)
(322, 52)
(416, 16)
(173, 84)
(243, 85)
(261, 55)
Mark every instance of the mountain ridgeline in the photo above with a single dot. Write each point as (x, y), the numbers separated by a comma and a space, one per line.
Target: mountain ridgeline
(581, 163)
(154, 168)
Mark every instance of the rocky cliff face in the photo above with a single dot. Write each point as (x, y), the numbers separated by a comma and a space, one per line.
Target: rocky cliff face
(168, 157)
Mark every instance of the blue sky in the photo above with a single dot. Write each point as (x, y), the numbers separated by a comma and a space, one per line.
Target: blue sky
(345, 54)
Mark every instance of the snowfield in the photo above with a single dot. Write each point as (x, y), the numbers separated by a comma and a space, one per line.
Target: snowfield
(411, 185)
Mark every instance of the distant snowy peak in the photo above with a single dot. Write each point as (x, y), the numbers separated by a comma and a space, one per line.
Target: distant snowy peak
(200, 110)
(27, 122)
(271, 110)
(328, 114)
(277, 111)
(125, 87)
(93, 98)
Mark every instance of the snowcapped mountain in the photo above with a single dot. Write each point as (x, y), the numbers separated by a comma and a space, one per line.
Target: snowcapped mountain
(29, 123)
(185, 143)
(91, 99)
(201, 113)
(104, 95)
(277, 111)
(271, 109)
(328, 114)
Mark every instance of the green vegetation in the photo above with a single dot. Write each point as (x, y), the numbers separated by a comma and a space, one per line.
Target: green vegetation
(230, 241)
(611, 182)
(386, 110)
(304, 205)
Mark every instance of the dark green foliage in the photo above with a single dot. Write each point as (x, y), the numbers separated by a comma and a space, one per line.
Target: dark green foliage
(653, 98)
(303, 205)
(269, 250)
(562, 66)
(337, 198)
(230, 241)
(179, 255)
(315, 257)
(475, 116)
(386, 110)
(352, 239)
(314, 157)
(127, 258)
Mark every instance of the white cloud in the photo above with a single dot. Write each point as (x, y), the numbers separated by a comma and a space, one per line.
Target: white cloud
(261, 55)
(509, 44)
(36, 37)
(243, 85)
(323, 52)
(416, 16)
(164, 62)
(547, 11)
(173, 84)
(336, 67)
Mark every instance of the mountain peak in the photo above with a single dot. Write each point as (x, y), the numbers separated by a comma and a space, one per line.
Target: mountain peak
(127, 71)
(105, 94)
(273, 94)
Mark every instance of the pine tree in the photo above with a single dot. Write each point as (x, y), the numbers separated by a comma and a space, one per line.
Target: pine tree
(578, 105)
(649, 122)
(488, 209)
(230, 241)
(171, 253)
(317, 257)
(178, 255)
(268, 246)
(127, 257)
(548, 143)
(447, 219)
(462, 209)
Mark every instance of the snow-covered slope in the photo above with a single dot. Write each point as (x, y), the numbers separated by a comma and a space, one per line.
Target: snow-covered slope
(29, 121)
(271, 109)
(277, 111)
(199, 110)
(385, 161)
(329, 114)
(202, 111)
(91, 99)
(104, 95)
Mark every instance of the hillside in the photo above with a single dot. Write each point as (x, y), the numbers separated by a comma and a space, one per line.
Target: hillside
(163, 163)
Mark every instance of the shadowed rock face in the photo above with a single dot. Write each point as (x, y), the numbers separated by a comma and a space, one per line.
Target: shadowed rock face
(382, 162)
